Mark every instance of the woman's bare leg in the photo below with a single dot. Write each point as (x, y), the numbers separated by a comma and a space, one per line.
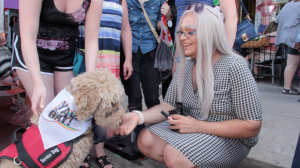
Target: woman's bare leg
(61, 80)
(26, 80)
(151, 145)
(157, 149)
(292, 63)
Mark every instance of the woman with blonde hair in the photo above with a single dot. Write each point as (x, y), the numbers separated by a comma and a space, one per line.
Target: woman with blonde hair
(222, 109)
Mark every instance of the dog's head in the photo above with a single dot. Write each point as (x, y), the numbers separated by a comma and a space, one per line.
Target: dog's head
(98, 93)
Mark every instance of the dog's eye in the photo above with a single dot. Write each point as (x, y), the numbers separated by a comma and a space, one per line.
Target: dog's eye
(110, 113)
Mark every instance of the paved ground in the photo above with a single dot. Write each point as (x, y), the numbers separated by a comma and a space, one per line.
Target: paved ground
(276, 146)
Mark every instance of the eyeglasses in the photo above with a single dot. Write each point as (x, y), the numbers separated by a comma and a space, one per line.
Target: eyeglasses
(188, 32)
(199, 7)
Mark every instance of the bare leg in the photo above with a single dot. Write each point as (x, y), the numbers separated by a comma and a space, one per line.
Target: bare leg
(61, 80)
(292, 63)
(255, 68)
(151, 145)
(248, 57)
(157, 149)
(26, 80)
(100, 152)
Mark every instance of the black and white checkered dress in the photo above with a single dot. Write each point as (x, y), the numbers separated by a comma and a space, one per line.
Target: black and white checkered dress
(235, 97)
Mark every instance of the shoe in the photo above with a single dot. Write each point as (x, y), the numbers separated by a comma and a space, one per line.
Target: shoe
(291, 91)
(103, 161)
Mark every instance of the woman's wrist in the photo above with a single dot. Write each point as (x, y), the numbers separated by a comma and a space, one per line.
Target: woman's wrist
(140, 117)
(200, 127)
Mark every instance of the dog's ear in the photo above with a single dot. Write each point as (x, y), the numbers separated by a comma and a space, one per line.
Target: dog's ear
(112, 118)
(84, 101)
(95, 91)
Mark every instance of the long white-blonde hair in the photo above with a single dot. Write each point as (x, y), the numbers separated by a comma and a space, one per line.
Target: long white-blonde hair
(211, 37)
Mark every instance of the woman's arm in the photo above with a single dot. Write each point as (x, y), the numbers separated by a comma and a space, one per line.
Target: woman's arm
(228, 129)
(92, 24)
(29, 16)
(151, 116)
(228, 8)
(126, 39)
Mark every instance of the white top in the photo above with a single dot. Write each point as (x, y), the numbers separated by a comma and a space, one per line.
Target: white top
(58, 122)
(1, 16)
(288, 21)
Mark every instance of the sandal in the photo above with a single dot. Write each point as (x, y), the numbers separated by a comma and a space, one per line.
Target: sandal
(103, 161)
(87, 161)
(291, 91)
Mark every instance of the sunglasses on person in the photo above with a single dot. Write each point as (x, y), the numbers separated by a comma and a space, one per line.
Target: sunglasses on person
(191, 30)
(199, 7)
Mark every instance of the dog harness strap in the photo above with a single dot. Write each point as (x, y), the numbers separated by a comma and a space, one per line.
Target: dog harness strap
(14, 135)
(75, 140)
(24, 156)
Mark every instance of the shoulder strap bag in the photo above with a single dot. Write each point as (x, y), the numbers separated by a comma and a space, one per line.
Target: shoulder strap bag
(152, 28)
(163, 55)
(245, 30)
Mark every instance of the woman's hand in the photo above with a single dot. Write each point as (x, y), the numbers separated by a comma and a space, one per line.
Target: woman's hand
(127, 69)
(38, 99)
(129, 122)
(166, 10)
(185, 124)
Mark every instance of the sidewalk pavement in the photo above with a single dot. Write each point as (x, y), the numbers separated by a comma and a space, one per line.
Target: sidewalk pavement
(276, 146)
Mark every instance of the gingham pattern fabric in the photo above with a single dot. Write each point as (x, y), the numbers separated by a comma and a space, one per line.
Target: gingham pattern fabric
(235, 97)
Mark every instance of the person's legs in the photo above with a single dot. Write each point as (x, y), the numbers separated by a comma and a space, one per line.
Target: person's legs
(132, 85)
(256, 57)
(150, 79)
(151, 145)
(99, 139)
(174, 159)
(61, 80)
(48, 81)
(157, 149)
(292, 63)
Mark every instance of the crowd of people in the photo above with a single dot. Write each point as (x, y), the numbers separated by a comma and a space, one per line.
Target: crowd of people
(222, 114)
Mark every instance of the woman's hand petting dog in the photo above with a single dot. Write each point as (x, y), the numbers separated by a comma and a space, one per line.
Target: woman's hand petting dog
(129, 122)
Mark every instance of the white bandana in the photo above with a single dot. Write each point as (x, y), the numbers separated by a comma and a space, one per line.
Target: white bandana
(58, 122)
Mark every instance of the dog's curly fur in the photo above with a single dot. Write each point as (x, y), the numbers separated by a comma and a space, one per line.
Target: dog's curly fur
(96, 93)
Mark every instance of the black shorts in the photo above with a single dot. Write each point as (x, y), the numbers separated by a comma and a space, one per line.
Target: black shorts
(57, 60)
(293, 51)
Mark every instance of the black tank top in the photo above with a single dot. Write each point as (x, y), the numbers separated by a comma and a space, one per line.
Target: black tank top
(58, 30)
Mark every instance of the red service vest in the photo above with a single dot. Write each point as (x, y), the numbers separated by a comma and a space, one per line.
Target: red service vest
(34, 155)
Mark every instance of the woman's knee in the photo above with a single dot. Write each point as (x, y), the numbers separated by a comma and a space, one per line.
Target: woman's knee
(144, 141)
(174, 159)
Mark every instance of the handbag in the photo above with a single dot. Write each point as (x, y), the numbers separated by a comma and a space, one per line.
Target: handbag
(79, 62)
(163, 55)
(258, 42)
(5, 62)
(245, 30)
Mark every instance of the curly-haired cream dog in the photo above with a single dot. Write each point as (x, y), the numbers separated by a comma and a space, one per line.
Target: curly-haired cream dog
(96, 93)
